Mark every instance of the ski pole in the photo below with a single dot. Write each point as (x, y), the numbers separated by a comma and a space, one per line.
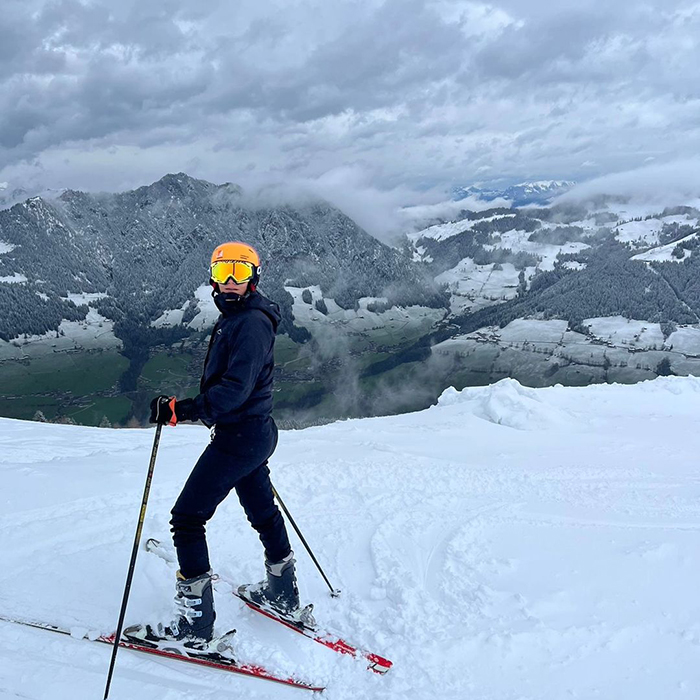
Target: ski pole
(132, 563)
(334, 591)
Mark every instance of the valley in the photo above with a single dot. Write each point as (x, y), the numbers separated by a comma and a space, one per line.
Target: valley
(571, 292)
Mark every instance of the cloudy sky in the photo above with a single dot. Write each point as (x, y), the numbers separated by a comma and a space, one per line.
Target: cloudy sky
(391, 97)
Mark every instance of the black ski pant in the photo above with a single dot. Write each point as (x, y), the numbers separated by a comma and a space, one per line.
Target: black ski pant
(236, 458)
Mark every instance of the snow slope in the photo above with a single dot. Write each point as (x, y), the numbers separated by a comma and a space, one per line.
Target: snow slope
(646, 232)
(506, 544)
(473, 287)
(93, 332)
(441, 232)
(664, 253)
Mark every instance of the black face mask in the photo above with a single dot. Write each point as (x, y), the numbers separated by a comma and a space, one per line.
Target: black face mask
(229, 301)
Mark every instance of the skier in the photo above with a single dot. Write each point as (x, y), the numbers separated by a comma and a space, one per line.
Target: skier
(235, 400)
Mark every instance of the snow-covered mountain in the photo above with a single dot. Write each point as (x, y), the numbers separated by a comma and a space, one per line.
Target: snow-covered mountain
(141, 257)
(506, 543)
(521, 194)
(126, 274)
(480, 254)
(572, 293)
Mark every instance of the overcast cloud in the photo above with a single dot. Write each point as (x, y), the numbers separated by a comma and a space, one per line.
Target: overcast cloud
(386, 102)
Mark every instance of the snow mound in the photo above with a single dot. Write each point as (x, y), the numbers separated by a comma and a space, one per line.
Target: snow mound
(680, 386)
(508, 403)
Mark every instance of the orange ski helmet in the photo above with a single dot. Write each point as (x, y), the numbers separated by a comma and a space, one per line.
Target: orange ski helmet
(224, 261)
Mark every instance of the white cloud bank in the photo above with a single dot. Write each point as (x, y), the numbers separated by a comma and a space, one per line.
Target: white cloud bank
(422, 94)
(672, 183)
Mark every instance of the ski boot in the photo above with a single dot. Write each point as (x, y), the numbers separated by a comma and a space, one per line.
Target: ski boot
(194, 626)
(279, 592)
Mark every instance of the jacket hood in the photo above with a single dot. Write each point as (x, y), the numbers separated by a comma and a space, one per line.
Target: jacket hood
(230, 302)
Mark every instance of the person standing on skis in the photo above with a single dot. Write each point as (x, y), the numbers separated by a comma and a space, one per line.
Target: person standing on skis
(235, 400)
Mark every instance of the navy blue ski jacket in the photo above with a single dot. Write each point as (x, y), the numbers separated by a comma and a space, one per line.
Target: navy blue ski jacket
(236, 382)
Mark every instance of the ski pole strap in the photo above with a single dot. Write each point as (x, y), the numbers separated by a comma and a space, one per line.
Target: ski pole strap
(171, 404)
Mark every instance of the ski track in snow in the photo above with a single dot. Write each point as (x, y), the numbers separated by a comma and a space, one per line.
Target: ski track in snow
(508, 543)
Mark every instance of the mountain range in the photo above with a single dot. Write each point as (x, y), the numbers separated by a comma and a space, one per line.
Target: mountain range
(127, 273)
(138, 254)
(538, 192)
(573, 293)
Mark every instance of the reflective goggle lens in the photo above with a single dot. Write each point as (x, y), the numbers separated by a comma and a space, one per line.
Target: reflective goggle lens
(240, 271)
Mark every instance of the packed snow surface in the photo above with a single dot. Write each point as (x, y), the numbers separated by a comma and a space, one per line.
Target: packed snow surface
(505, 544)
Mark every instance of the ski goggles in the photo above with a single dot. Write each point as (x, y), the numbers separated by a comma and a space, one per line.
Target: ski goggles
(223, 270)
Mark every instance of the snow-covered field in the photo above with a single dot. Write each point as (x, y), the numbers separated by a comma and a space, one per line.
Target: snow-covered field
(441, 232)
(395, 320)
(508, 543)
(13, 279)
(646, 232)
(472, 286)
(206, 315)
(616, 340)
(518, 241)
(94, 332)
(664, 253)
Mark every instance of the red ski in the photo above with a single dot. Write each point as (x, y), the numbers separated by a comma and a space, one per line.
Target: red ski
(376, 663)
(209, 661)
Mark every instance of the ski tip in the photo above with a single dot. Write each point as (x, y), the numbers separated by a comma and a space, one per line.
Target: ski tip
(378, 664)
(381, 669)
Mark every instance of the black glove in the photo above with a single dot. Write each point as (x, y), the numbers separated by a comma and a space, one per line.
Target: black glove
(161, 412)
(185, 410)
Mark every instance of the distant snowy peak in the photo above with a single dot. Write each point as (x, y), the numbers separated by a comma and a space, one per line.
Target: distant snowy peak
(488, 195)
(521, 194)
(543, 186)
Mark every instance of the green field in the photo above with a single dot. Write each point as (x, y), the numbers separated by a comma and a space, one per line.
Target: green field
(64, 384)
(25, 407)
(115, 408)
(286, 350)
(302, 394)
(80, 373)
(167, 373)
(315, 381)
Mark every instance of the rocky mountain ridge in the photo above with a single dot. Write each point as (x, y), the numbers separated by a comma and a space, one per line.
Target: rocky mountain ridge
(141, 253)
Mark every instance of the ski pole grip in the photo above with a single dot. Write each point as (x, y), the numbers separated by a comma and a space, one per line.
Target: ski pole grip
(171, 404)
